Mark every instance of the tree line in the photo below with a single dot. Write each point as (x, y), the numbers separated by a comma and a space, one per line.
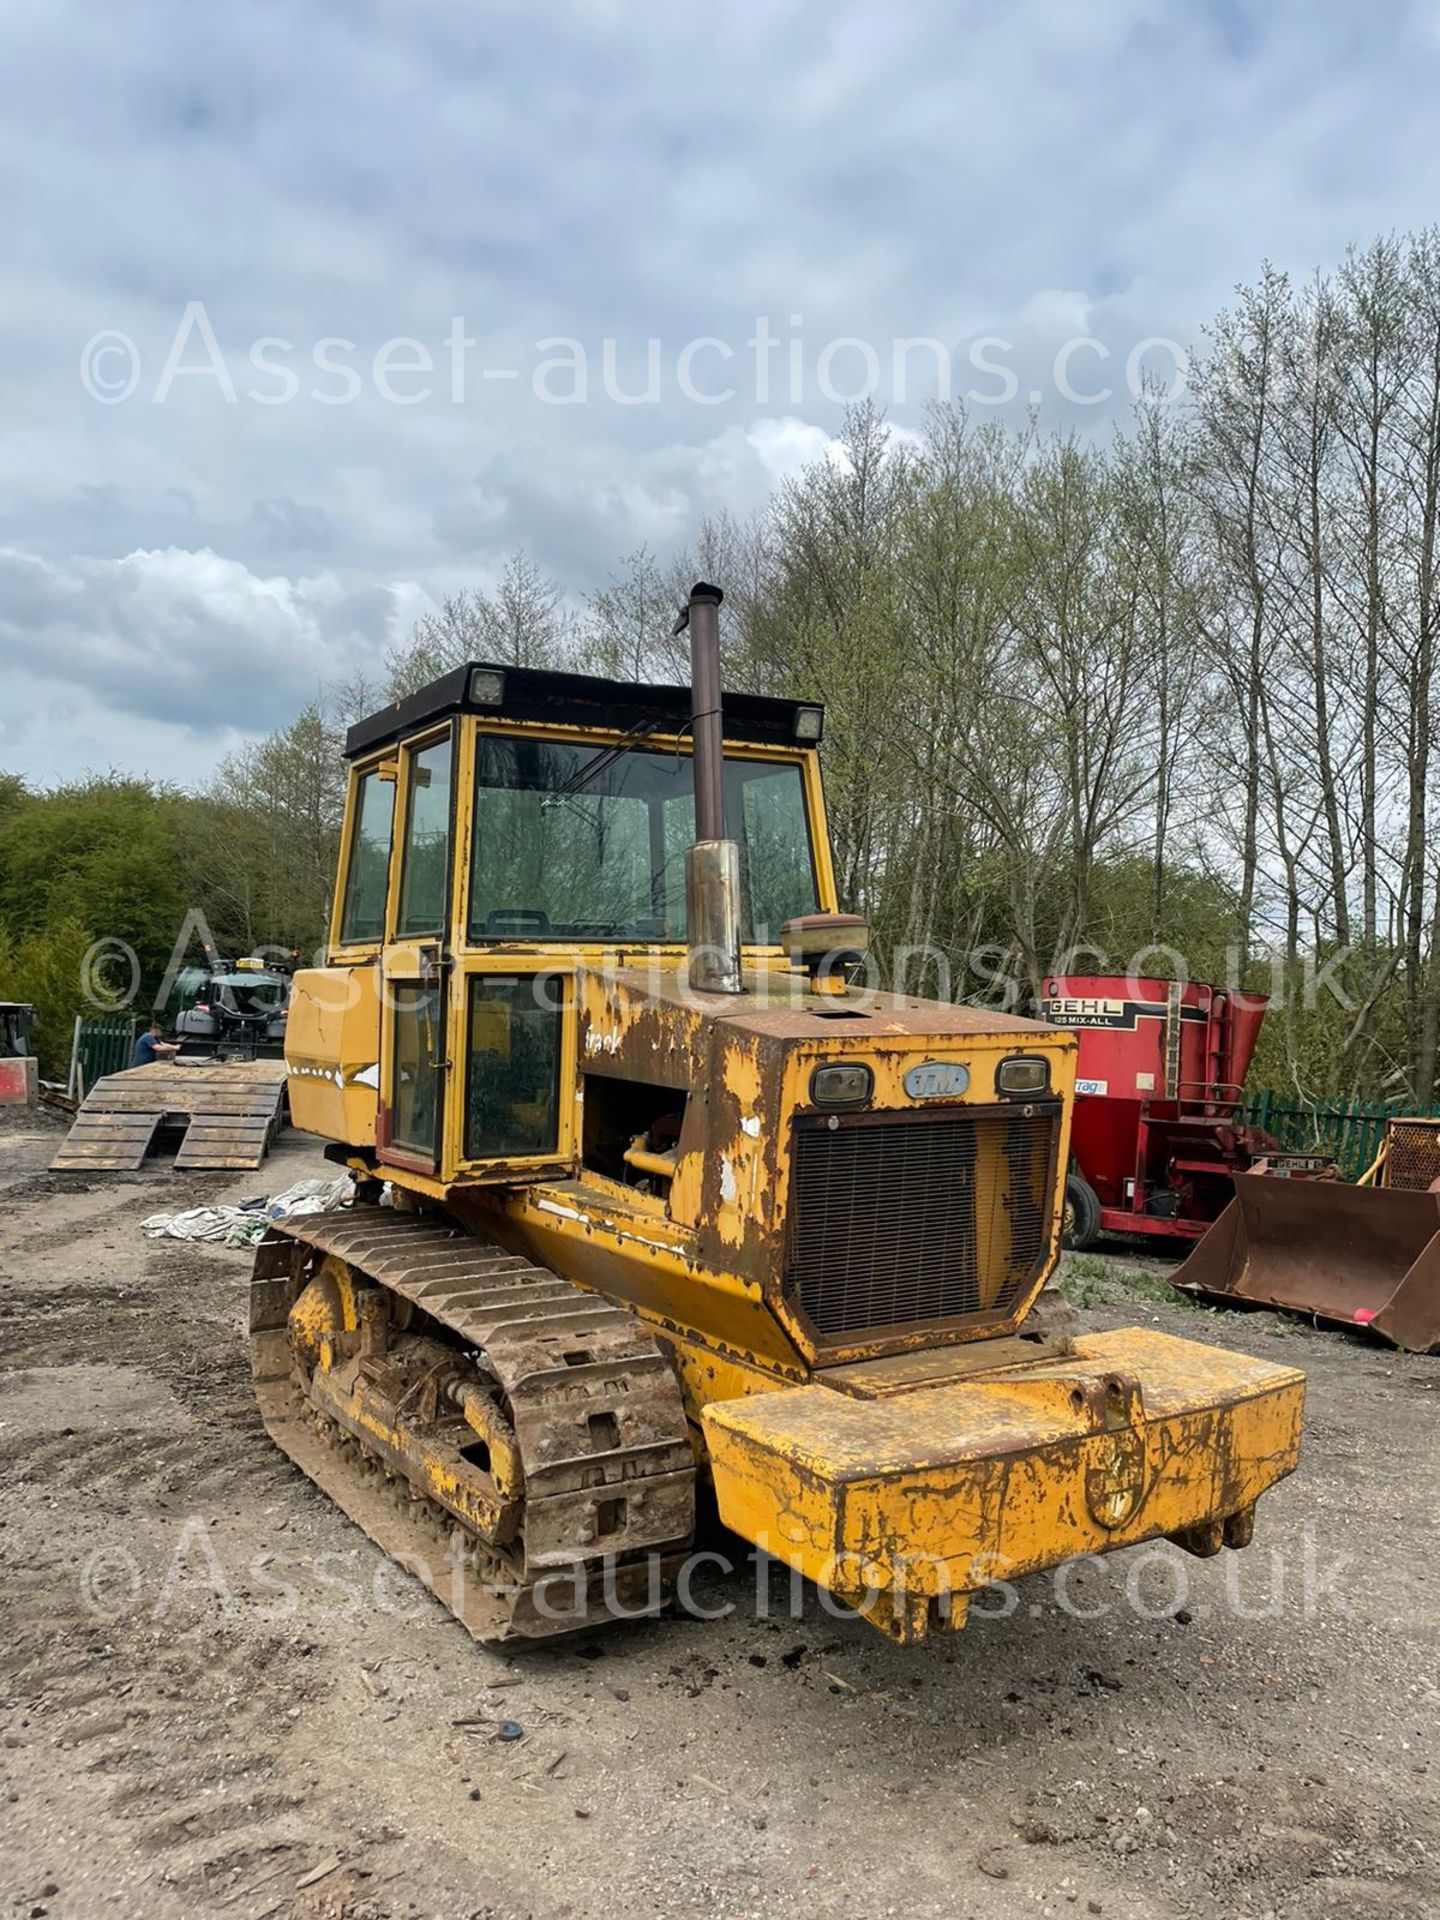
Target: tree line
(1090, 702)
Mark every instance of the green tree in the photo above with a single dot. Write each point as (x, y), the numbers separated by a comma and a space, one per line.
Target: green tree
(47, 969)
(102, 853)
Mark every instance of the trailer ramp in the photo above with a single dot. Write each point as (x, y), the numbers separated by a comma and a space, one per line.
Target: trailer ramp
(229, 1114)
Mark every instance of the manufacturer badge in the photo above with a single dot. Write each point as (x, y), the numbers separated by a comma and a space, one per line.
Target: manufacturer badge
(1115, 1477)
(937, 1080)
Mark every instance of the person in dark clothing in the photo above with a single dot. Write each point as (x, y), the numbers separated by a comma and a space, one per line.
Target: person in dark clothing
(150, 1047)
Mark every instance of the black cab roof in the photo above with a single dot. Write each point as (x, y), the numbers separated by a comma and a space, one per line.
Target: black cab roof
(577, 700)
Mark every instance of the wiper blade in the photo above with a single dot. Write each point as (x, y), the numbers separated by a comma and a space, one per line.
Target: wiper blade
(606, 758)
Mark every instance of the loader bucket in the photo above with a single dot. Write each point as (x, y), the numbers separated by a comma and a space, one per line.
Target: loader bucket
(1364, 1256)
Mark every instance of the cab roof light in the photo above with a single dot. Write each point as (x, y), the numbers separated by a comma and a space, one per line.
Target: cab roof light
(809, 725)
(487, 687)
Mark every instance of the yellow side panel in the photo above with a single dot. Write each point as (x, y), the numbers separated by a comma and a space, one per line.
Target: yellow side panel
(949, 1488)
(647, 1263)
(332, 1053)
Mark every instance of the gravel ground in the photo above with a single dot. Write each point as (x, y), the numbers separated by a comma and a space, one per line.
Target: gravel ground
(190, 1727)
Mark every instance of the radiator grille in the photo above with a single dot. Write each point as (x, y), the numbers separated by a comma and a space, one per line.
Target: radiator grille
(914, 1218)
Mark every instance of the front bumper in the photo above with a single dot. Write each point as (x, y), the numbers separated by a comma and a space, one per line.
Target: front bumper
(906, 1504)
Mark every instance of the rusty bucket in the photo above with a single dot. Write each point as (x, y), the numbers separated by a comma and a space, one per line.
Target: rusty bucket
(1364, 1256)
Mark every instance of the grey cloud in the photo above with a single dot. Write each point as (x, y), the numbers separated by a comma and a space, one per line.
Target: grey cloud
(291, 526)
(590, 170)
(191, 639)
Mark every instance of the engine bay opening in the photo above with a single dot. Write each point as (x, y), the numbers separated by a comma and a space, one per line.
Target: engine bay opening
(630, 1118)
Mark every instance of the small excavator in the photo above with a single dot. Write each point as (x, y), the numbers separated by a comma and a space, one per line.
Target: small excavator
(652, 1186)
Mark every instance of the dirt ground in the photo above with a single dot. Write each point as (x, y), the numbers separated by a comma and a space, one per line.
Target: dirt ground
(188, 1727)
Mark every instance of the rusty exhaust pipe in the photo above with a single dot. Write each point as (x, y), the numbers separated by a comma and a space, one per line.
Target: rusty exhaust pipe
(712, 863)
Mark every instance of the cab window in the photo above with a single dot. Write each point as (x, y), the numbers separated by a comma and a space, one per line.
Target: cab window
(363, 914)
(512, 1081)
(575, 843)
(425, 863)
(415, 1072)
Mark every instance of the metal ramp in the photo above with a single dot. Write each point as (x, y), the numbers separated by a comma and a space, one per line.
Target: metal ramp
(229, 1114)
(106, 1141)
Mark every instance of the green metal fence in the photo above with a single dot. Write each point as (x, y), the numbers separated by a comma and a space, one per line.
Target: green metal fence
(102, 1045)
(1351, 1132)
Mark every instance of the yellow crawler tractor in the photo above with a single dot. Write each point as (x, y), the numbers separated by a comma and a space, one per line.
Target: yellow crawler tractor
(649, 1189)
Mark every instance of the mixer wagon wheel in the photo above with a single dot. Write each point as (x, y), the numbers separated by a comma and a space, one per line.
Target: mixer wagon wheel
(1080, 1220)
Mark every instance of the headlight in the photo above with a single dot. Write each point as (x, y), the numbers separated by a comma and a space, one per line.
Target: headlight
(1025, 1073)
(841, 1086)
(809, 724)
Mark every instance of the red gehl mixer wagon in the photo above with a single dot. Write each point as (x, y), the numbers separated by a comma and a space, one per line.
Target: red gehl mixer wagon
(1158, 1131)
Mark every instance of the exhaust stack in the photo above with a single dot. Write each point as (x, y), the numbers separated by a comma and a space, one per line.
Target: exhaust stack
(712, 864)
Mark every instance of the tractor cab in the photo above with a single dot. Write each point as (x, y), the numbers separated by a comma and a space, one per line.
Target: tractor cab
(234, 1009)
(509, 832)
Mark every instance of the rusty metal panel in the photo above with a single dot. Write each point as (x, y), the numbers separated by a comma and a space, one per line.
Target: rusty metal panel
(942, 1366)
(898, 1219)
(906, 1505)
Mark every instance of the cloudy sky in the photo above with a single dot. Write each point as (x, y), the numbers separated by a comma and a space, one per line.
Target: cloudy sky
(197, 531)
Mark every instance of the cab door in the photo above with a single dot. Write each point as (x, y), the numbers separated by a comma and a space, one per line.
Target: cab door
(414, 1048)
(512, 1100)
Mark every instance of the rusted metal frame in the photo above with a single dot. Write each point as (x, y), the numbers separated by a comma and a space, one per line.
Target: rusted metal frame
(492, 960)
(440, 937)
(818, 1118)
(418, 1456)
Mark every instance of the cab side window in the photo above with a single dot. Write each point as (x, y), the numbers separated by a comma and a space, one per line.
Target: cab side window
(363, 915)
(425, 865)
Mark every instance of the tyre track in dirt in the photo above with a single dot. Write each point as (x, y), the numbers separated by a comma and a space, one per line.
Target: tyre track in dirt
(182, 1756)
(120, 1471)
(125, 1415)
(55, 1211)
